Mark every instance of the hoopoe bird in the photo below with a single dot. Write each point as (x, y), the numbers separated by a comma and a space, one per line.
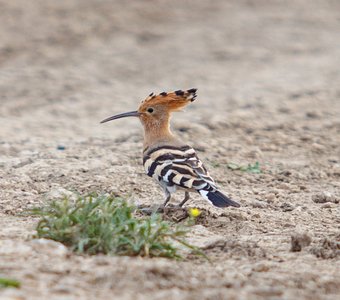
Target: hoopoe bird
(172, 163)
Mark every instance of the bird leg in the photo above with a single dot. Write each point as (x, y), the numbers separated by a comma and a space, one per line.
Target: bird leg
(158, 208)
(167, 199)
(186, 198)
(161, 208)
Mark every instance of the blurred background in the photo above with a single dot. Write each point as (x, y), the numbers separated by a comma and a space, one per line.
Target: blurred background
(67, 64)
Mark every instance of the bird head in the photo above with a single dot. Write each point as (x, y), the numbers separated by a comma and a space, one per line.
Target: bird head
(156, 109)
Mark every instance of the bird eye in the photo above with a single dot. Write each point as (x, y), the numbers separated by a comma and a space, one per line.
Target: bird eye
(150, 110)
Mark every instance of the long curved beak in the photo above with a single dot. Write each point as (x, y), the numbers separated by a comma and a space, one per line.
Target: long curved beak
(124, 115)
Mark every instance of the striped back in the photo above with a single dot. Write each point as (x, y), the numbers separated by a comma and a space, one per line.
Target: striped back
(177, 165)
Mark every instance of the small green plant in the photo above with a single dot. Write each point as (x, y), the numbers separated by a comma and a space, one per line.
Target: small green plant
(250, 168)
(106, 224)
(9, 282)
(214, 164)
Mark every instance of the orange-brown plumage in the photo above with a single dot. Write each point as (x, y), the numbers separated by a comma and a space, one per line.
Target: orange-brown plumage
(155, 112)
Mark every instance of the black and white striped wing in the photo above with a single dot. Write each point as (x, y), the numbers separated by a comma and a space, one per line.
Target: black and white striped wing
(178, 166)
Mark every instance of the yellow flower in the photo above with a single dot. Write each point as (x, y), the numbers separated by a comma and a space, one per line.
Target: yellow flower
(194, 212)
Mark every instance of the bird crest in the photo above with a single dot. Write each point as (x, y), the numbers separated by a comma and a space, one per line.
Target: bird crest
(173, 100)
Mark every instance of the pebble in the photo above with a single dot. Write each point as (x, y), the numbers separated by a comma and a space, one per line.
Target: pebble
(313, 114)
(255, 154)
(336, 170)
(201, 146)
(318, 147)
(49, 247)
(284, 186)
(258, 204)
(261, 267)
(324, 197)
(63, 289)
(299, 240)
(287, 207)
(299, 209)
(270, 197)
(60, 193)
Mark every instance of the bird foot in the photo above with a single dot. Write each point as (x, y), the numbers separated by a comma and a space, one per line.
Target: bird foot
(169, 212)
(149, 210)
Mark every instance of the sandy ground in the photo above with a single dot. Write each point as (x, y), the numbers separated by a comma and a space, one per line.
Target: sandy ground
(268, 75)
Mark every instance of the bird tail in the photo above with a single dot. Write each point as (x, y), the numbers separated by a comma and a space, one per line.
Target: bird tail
(218, 199)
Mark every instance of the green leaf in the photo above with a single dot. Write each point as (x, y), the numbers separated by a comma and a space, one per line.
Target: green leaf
(8, 282)
(250, 168)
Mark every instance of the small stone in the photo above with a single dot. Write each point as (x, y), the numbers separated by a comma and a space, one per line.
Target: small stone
(201, 146)
(318, 147)
(261, 267)
(324, 197)
(284, 186)
(60, 193)
(333, 159)
(312, 115)
(299, 209)
(258, 204)
(327, 248)
(336, 170)
(48, 246)
(255, 191)
(286, 173)
(299, 240)
(63, 289)
(270, 197)
(287, 207)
